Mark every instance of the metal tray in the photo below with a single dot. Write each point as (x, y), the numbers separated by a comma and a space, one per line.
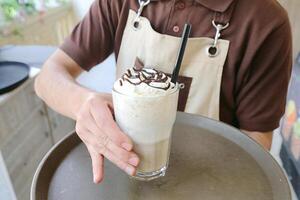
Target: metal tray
(209, 160)
(12, 74)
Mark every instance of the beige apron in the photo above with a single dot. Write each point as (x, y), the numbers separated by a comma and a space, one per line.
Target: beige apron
(160, 51)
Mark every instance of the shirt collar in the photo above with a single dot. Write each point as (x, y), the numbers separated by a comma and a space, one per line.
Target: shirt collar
(215, 5)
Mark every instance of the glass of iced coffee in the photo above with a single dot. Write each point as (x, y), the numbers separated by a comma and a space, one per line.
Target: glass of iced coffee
(145, 105)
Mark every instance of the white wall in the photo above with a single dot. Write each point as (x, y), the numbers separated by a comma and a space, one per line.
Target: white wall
(82, 6)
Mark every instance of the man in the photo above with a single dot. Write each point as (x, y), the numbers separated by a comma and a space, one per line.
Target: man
(236, 67)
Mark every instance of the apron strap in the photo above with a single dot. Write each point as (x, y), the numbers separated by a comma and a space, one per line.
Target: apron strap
(143, 4)
(220, 22)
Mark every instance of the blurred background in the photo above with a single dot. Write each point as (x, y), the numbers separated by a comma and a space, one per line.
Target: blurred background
(30, 31)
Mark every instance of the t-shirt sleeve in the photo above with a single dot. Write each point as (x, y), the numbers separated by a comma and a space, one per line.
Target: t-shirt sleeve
(261, 101)
(92, 39)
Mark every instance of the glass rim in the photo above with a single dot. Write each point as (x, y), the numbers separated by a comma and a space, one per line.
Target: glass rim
(140, 96)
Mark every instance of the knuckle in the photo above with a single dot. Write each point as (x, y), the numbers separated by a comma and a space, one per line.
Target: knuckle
(80, 119)
(100, 148)
(90, 103)
(101, 123)
(90, 150)
(123, 155)
(93, 100)
(103, 150)
(119, 163)
(84, 112)
(122, 165)
(79, 129)
(105, 140)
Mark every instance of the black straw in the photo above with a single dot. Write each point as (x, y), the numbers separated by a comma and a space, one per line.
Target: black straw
(184, 38)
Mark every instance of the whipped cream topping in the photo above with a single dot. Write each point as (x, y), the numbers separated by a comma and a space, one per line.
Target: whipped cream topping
(145, 82)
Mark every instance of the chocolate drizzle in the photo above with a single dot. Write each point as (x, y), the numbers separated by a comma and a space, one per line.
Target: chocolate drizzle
(153, 78)
(129, 72)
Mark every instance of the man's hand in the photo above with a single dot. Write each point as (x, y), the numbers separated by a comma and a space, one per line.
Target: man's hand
(92, 111)
(97, 129)
(264, 139)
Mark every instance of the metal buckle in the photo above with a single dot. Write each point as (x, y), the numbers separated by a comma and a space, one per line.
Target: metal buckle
(181, 86)
(137, 19)
(213, 50)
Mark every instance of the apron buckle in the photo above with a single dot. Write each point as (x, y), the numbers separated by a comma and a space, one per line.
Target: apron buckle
(137, 19)
(181, 86)
(213, 50)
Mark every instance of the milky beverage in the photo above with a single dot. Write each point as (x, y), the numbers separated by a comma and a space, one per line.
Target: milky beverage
(145, 104)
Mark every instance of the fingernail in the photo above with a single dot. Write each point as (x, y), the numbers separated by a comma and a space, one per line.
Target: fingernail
(97, 179)
(134, 161)
(127, 146)
(129, 170)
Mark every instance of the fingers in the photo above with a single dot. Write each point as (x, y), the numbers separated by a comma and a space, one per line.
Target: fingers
(97, 129)
(97, 163)
(118, 136)
(108, 125)
(121, 154)
(130, 170)
(126, 163)
(101, 143)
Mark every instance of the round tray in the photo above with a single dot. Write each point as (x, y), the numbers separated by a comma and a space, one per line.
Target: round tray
(209, 160)
(12, 74)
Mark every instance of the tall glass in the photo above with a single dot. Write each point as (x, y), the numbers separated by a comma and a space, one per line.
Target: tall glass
(148, 121)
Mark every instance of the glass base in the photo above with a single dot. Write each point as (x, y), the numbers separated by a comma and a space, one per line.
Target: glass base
(148, 176)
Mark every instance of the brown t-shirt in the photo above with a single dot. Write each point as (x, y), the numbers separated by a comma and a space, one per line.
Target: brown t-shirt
(257, 69)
